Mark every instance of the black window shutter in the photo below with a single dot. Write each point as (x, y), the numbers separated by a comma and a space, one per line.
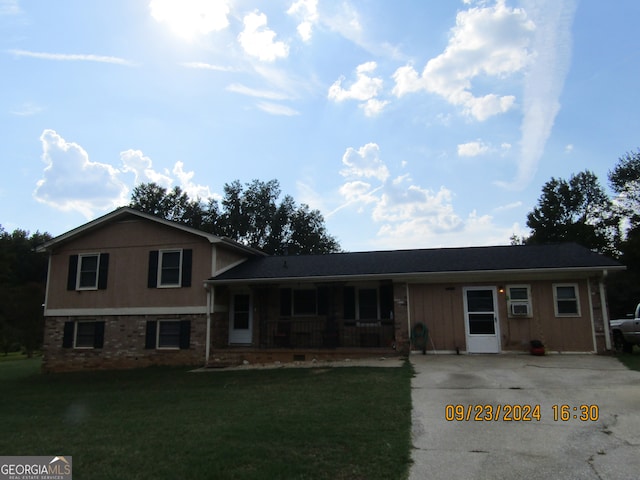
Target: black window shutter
(185, 334)
(67, 338)
(103, 271)
(386, 300)
(150, 337)
(73, 271)
(323, 300)
(152, 281)
(285, 302)
(98, 335)
(187, 255)
(349, 303)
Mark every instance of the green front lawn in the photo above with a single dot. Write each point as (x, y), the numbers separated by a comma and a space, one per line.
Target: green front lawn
(631, 360)
(156, 423)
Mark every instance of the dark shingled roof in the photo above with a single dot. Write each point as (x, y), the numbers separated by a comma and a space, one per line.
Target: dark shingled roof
(426, 261)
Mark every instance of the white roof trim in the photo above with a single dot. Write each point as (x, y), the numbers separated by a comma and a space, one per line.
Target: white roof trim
(47, 246)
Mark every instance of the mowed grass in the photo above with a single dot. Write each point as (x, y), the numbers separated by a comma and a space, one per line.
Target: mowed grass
(631, 360)
(167, 423)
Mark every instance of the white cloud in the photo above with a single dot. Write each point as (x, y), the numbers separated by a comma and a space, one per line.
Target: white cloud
(27, 109)
(208, 66)
(568, 148)
(486, 41)
(408, 215)
(188, 18)
(253, 92)
(9, 7)
(364, 162)
(365, 89)
(307, 12)
(276, 109)
(185, 179)
(136, 162)
(72, 57)
(72, 182)
(472, 149)
(544, 81)
(259, 41)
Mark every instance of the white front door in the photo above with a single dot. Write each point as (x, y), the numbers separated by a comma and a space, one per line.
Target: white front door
(240, 319)
(481, 320)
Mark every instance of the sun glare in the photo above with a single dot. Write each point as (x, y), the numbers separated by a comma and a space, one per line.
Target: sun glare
(189, 18)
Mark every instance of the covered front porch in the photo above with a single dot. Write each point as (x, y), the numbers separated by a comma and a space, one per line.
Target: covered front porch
(303, 321)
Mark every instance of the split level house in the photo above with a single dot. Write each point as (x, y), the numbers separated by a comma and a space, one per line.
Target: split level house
(131, 290)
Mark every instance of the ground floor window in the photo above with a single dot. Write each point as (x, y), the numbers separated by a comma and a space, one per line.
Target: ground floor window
(170, 334)
(566, 300)
(519, 300)
(83, 334)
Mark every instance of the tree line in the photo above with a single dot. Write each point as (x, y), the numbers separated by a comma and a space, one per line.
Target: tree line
(255, 214)
(252, 214)
(579, 210)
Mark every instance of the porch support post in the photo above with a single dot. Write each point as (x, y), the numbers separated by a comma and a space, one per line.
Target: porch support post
(605, 311)
(210, 307)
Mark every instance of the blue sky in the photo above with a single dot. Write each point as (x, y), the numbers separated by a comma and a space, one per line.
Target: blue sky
(408, 124)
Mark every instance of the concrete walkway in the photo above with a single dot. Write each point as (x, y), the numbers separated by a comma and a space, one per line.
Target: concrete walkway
(602, 449)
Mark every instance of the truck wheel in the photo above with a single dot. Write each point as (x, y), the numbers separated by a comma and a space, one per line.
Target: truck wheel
(618, 341)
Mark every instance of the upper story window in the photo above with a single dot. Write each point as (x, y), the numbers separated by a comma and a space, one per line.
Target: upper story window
(519, 300)
(566, 300)
(170, 268)
(88, 271)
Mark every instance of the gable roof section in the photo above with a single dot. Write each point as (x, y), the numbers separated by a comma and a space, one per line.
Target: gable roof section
(124, 212)
(408, 263)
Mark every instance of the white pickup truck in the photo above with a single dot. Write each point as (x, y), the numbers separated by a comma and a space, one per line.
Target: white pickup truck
(626, 331)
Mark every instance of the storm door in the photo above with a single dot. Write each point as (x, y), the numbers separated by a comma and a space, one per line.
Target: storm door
(481, 320)
(240, 319)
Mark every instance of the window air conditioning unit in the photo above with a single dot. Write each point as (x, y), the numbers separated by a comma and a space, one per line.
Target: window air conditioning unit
(520, 309)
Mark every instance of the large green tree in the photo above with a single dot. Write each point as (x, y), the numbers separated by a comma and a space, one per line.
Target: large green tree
(23, 274)
(623, 289)
(575, 210)
(254, 214)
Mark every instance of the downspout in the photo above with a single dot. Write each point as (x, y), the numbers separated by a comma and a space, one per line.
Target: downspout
(605, 312)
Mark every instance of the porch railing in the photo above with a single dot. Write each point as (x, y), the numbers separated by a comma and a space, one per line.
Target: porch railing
(327, 333)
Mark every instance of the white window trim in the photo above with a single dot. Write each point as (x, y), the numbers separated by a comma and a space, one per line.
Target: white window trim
(528, 301)
(75, 335)
(576, 289)
(79, 269)
(159, 273)
(158, 322)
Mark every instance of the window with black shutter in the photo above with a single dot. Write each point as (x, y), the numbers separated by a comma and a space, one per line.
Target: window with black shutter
(88, 271)
(83, 334)
(170, 268)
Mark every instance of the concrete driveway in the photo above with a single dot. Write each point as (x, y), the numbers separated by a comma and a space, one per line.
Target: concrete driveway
(604, 448)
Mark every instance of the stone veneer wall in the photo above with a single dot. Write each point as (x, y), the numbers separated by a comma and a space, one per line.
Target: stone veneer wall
(124, 345)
